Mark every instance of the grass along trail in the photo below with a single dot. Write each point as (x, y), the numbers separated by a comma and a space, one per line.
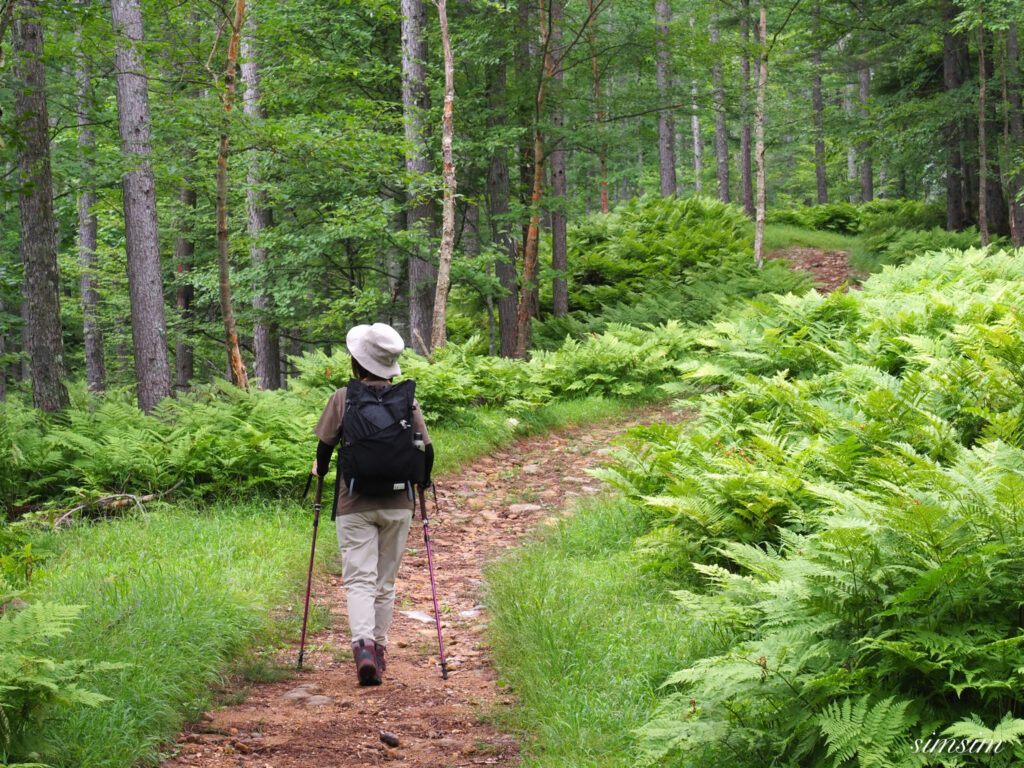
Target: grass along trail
(320, 716)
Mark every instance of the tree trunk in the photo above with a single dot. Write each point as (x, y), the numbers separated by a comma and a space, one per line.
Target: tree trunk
(818, 108)
(698, 146)
(762, 88)
(982, 149)
(239, 376)
(415, 102)
(746, 177)
(559, 237)
(266, 349)
(998, 213)
(599, 112)
(439, 335)
(145, 283)
(3, 357)
(666, 128)
(721, 130)
(95, 367)
(528, 283)
(1016, 123)
(45, 345)
(184, 250)
(953, 79)
(501, 226)
(867, 190)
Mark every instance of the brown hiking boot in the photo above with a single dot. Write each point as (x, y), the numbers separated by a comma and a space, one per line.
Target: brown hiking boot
(382, 662)
(366, 662)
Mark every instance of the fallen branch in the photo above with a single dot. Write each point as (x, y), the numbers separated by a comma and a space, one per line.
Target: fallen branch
(115, 501)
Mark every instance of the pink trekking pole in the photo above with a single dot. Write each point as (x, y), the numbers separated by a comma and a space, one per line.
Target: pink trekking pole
(309, 579)
(433, 587)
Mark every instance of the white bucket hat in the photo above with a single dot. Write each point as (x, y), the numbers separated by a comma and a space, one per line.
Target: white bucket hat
(377, 348)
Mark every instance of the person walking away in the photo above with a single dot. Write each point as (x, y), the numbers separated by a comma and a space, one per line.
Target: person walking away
(372, 519)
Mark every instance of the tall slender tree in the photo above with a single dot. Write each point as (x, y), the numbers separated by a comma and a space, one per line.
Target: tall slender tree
(439, 333)
(818, 111)
(88, 225)
(1015, 120)
(261, 218)
(663, 76)
(239, 375)
(145, 282)
(45, 344)
(721, 124)
(559, 221)
(759, 117)
(867, 186)
(746, 176)
(420, 214)
(500, 221)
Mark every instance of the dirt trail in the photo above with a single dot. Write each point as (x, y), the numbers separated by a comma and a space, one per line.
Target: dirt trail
(830, 269)
(321, 718)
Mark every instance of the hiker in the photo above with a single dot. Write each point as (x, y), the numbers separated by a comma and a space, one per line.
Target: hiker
(372, 529)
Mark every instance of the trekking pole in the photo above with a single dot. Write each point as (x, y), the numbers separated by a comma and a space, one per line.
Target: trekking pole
(433, 587)
(309, 579)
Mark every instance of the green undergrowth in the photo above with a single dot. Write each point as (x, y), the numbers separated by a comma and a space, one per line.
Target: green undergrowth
(780, 236)
(174, 595)
(183, 595)
(844, 515)
(583, 638)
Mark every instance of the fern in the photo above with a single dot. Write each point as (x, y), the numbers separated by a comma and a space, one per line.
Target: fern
(31, 683)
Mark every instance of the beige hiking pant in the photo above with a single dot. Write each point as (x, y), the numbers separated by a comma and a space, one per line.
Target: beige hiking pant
(372, 544)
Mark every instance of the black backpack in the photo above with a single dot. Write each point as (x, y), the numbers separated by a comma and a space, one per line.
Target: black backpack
(377, 455)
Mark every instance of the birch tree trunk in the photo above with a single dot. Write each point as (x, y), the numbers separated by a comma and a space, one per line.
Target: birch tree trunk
(439, 336)
(762, 88)
(239, 377)
(666, 128)
(95, 367)
(266, 347)
(420, 216)
(45, 344)
(145, 282)
(746, 177)
(721, 129)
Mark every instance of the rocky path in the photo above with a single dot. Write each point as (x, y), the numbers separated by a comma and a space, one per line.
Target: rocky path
(321, 718)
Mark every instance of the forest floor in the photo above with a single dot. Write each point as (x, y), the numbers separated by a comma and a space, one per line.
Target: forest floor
(830, 269)
(321, 717)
